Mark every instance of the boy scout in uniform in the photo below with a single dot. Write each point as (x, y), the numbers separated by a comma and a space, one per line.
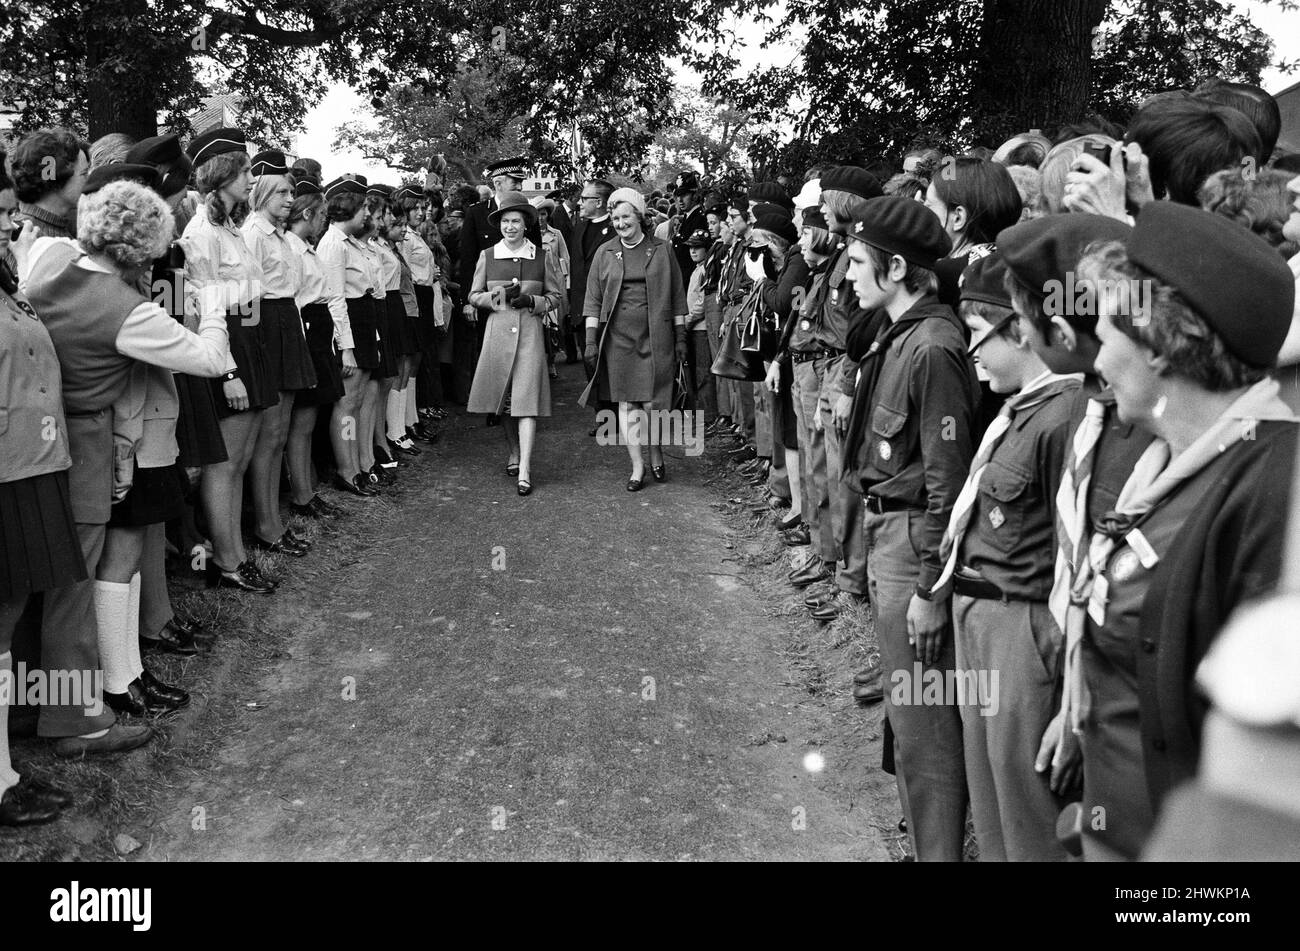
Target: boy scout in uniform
(908, 448)
(1000, 556)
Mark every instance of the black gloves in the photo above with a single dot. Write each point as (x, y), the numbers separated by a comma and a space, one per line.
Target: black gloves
(682, 350)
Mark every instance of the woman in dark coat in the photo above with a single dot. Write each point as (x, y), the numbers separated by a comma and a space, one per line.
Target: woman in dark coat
(516, 283)
(636, 308)
(1196, 531)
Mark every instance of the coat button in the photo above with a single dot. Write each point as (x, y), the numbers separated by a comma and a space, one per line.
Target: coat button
(1148, 646)
(514, 330)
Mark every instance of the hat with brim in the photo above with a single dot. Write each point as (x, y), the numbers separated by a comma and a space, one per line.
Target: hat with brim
(686, 182)
(699, 239)
(512, 167)
(269, 162)
(512, 201)
(217, 141)
(145, 175)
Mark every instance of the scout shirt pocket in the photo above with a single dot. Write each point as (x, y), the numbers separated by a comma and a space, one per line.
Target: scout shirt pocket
(888, 452)
(1003, 497)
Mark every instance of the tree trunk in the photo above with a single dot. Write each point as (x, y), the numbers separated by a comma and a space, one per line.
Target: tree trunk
(1035, 67)
(117, 101)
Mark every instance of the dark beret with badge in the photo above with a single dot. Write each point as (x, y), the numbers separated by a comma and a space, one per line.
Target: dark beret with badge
(216, 141)
(904, 227)
(699, 239)
(1234, 280)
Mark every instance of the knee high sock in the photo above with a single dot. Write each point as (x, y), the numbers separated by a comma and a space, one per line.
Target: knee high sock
(396, 415)
(133, 629)
(112, 606)
(8, 778)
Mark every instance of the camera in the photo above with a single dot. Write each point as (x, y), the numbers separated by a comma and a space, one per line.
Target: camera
(1102, 153)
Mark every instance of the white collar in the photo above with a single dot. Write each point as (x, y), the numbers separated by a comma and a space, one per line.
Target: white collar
(596, 221)
(263, 224)
(501, 253)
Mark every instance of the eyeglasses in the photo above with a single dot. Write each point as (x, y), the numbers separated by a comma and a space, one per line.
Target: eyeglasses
(591, 198)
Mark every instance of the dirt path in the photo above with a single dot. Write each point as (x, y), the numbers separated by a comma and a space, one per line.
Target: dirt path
(575, 675)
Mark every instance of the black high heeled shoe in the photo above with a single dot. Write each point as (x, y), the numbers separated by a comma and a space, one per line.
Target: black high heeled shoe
(636, 485)
(660, 472)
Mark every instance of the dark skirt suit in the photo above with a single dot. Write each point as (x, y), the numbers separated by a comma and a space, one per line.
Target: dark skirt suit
(511, 377)
(637, 294)
(1219, 538)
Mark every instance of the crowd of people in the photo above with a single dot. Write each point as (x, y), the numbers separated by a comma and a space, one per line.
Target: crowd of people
(1033, 408)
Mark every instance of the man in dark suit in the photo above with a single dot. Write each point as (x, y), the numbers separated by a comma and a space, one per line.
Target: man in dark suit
(687, 191)
(591, 230)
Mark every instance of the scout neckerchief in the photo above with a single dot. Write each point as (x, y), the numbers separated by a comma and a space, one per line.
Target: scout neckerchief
(1154, 479)
(1031, 394)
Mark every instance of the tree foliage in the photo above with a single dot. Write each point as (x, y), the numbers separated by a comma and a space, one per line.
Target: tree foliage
(875, 79)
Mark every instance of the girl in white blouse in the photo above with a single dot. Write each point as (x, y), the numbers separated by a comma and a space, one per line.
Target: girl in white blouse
(228, 279)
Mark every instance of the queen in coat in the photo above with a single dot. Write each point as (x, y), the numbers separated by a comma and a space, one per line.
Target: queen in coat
(635, 312)
(516, 285)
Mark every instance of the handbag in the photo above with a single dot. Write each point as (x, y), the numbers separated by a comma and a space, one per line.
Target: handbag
(734, 363)
(758, 332)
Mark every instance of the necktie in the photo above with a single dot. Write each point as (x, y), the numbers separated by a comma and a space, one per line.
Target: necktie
(964, 505)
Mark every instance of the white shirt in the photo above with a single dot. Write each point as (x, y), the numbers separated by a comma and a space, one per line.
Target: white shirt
(281, 267)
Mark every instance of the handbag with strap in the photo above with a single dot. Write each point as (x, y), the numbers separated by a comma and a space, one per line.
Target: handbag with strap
(733, 362)
(758, 332)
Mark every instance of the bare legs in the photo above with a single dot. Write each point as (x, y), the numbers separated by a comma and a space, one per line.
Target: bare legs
(265, 466)
(366, 424)
(345, 424)
(634, 418)
(222, 488)
(521, 434)
(302, 477)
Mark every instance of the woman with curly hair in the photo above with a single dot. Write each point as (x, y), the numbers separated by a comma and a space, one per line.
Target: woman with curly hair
(111, 342)
(228, 280)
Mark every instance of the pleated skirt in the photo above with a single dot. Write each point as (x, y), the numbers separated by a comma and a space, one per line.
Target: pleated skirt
(363, 316)
(39, 548)
(319, 325)
(246, 348)
(288, 362)
(426, 337)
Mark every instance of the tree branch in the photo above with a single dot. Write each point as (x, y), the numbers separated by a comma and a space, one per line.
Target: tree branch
(223, 22)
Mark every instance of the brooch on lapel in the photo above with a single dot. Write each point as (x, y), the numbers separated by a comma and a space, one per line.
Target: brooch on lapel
(619, 255)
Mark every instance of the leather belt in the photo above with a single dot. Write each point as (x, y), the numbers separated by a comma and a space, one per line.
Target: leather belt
(875, 503)
(803, 356)
(977, 588)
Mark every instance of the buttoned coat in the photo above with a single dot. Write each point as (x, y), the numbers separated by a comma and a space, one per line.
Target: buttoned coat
(665, 301)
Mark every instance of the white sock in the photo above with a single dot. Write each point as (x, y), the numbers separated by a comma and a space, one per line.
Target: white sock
(412, 415)
(112, 604)
(396, 414)
(8, 778)
(133, 628)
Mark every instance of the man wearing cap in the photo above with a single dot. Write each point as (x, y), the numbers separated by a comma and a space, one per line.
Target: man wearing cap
(999, 555)
(908, 450)
(690, 219)
(1187, 343)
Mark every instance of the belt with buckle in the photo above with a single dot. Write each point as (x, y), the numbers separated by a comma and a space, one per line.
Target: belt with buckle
(875, 503)
(803, 356)
(973, 586)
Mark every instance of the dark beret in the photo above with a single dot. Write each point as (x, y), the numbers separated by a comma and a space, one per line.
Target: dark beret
(719, 211)
(1045, 252)
(1230, 276)
(904, 227)
(214, 142)
(778, 224)
(771, 192)
(985, 280)
(851, 179)
(344, 186)
(158, 150)
(142, 174)
(269, 162)
(761, 208)
(813, 218)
